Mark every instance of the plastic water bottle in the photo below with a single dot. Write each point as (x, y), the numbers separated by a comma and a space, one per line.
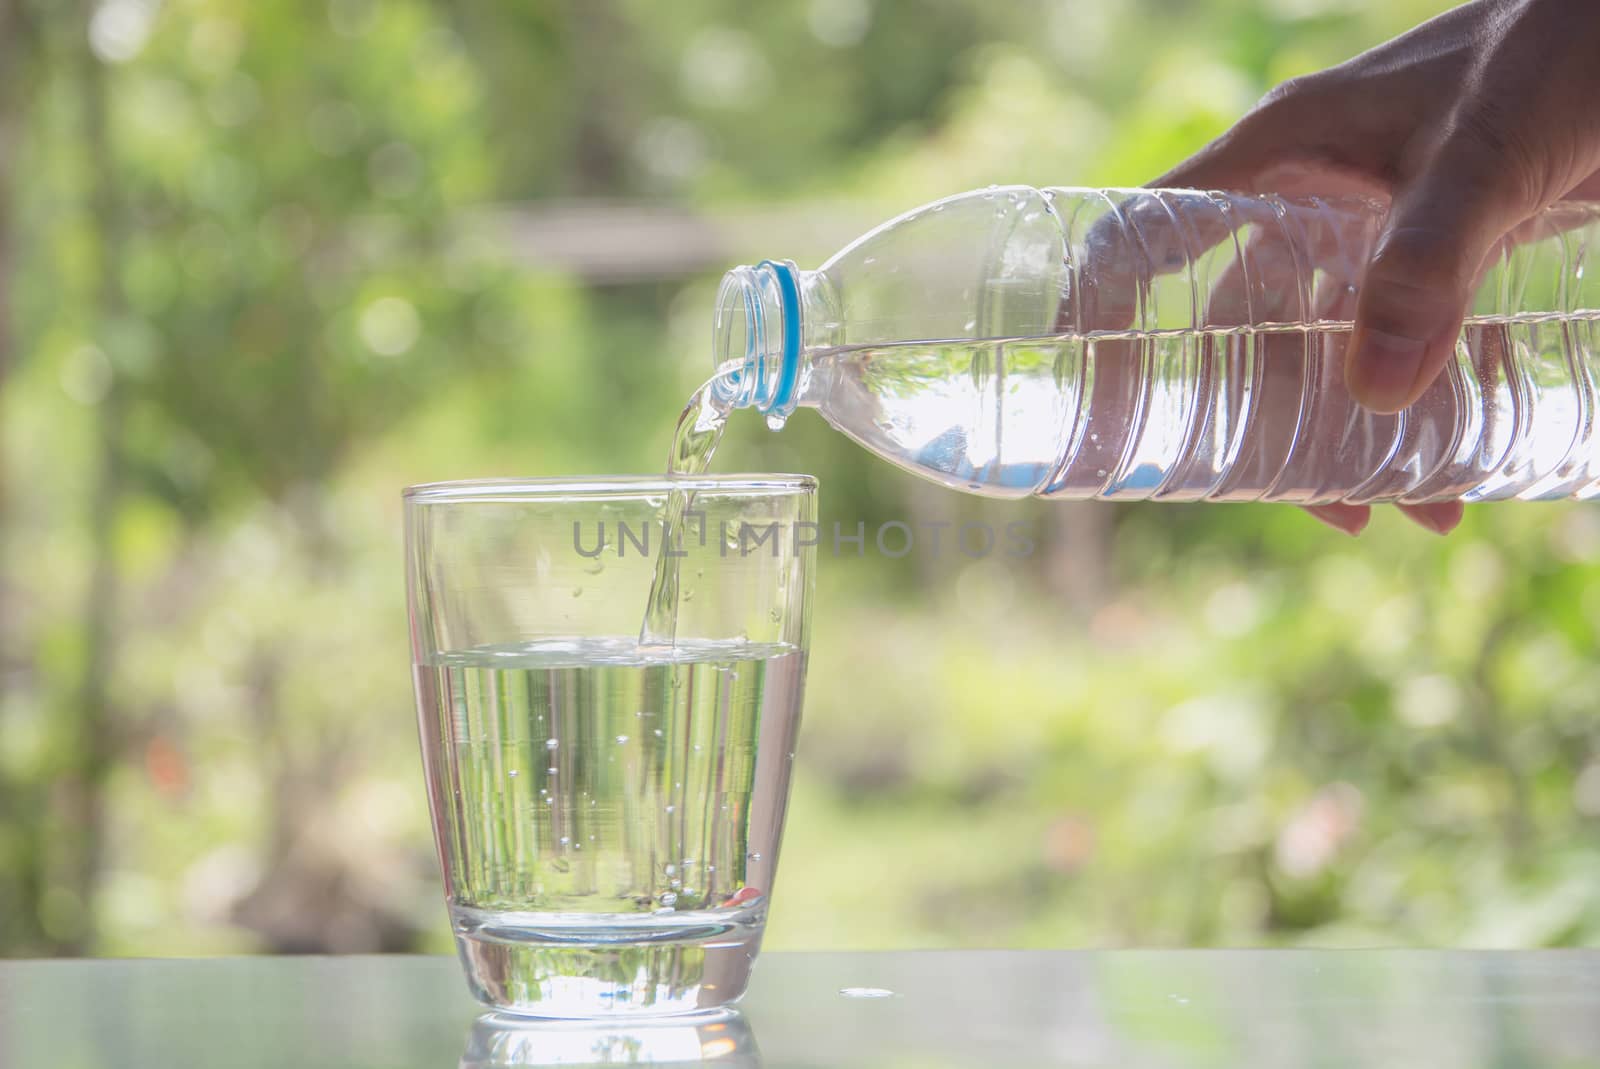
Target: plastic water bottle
(1172, 344)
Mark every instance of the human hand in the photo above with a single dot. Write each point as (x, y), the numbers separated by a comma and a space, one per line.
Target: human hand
(1469, 125)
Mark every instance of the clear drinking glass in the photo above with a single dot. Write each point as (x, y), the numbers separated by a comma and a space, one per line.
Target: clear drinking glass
(607, 814)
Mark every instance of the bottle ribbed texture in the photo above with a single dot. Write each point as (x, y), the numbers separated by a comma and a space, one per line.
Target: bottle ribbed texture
(1215, 331)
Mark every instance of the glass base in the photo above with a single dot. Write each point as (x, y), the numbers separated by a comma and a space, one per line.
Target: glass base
(503, 1041)
(575, 965)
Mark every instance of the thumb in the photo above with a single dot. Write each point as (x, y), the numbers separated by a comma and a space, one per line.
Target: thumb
(1418, 284)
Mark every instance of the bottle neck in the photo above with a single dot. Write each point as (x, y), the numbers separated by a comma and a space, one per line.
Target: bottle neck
(762, 335)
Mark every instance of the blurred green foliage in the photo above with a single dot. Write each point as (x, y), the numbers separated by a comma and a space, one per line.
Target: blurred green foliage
(251, 294)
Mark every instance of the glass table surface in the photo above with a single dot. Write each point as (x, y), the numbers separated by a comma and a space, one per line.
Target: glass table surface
(932, 1009)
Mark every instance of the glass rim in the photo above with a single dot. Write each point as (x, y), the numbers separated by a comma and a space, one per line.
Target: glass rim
(766, 484)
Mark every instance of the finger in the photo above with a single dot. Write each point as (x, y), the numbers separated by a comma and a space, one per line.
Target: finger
(1417, 285)
(1440, 517)
(1351, 519)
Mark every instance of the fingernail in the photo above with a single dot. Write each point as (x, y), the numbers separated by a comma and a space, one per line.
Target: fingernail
(1340, 520)
(1383, 368)
(1435, 522)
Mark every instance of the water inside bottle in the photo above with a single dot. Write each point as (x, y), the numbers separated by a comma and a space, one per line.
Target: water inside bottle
(1237, 413)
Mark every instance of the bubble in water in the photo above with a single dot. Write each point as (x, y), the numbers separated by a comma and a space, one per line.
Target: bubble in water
(566, 840)
(513, 773)
(621, 739)
(752, 857)
(672, 809)
(776, 420)
(552, 770)
(658, 733)
(670, 869)
(776, 615)
(552, 744)
(866, 992)
(669, 899)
